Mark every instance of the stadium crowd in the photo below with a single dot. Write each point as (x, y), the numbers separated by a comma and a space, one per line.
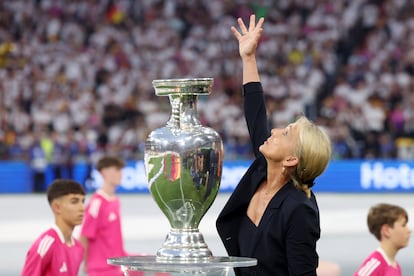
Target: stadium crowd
(76, 76)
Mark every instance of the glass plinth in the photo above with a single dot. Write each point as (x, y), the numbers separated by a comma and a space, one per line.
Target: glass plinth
(211, 266)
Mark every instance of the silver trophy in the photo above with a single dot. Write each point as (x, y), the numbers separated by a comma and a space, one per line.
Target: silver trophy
(183, 163)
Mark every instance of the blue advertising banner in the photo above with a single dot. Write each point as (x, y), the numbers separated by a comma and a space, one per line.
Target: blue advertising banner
(358, 176)
(15, 177)
(351, 176)
(134, 179)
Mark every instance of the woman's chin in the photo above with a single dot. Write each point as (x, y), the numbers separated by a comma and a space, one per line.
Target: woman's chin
(261, 147)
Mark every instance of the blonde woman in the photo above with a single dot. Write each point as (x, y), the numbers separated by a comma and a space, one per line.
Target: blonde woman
(272, 214)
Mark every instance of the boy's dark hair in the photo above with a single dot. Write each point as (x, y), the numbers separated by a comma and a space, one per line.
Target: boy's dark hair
(62, 187)
(109, 161)
(381, 214)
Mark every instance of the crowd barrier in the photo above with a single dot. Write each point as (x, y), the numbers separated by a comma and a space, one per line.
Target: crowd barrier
(350, 176)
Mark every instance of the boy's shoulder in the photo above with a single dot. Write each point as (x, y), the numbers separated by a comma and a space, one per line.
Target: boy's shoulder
(101, 195)
(377, 264)
(96, 196)
(45, 241)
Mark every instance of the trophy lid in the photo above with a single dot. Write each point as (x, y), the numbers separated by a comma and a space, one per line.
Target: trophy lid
(191, 86)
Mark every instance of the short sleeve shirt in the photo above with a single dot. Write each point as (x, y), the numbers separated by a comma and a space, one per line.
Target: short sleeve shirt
(377, 264)
(49, 255)
(102, 228)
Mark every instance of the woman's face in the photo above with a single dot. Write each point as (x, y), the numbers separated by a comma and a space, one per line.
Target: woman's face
(281, 143)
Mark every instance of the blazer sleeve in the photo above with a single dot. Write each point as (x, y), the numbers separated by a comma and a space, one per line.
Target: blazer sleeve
(255, 114)
(303, 232)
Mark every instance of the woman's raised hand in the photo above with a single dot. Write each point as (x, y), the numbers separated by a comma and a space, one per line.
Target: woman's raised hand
(248, 37)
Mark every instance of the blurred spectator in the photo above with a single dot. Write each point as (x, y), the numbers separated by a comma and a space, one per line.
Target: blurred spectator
(38, 162)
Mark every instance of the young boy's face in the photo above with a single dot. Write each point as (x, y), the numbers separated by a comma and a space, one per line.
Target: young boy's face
(400, 233)
(71, 208)
(112, 175)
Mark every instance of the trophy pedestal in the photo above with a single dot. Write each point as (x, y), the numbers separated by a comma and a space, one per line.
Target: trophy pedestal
(213, 266)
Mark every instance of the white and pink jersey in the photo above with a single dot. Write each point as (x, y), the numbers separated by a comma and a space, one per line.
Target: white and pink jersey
(102, 227)
(49, 255)
(377, 264)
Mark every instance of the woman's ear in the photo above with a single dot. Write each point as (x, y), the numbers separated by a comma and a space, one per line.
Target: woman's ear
(290, 161)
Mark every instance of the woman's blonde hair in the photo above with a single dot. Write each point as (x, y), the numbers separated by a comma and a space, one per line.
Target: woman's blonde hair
(314, 153)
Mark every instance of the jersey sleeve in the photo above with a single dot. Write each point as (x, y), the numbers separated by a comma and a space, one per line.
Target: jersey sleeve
(370, 267)
(90, 222)
(39, 257)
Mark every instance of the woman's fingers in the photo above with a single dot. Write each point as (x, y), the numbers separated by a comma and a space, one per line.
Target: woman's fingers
(252, 22)
(252, 26)
(260, 23)
(242, 26)
(235, 32)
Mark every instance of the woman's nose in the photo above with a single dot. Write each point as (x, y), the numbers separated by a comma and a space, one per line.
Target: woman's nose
(273, 131)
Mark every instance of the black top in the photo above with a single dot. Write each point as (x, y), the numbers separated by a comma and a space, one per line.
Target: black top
(246, 235)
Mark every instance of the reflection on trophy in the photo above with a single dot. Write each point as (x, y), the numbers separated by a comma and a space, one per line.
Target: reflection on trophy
(183, 163)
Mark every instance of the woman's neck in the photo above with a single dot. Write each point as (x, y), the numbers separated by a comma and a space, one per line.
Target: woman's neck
(274, 182)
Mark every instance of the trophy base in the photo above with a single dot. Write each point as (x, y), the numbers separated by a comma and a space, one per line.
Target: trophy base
(184, 245)
(207, 267)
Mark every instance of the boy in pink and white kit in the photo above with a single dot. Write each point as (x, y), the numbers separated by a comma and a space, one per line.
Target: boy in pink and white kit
(388, 223)
(101, 232)
(55, 252)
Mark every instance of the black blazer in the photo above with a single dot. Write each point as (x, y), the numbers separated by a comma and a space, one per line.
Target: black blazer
(285, 242)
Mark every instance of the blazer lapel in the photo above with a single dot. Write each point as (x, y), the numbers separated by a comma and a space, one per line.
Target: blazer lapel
(246, 189)
(232, 212)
